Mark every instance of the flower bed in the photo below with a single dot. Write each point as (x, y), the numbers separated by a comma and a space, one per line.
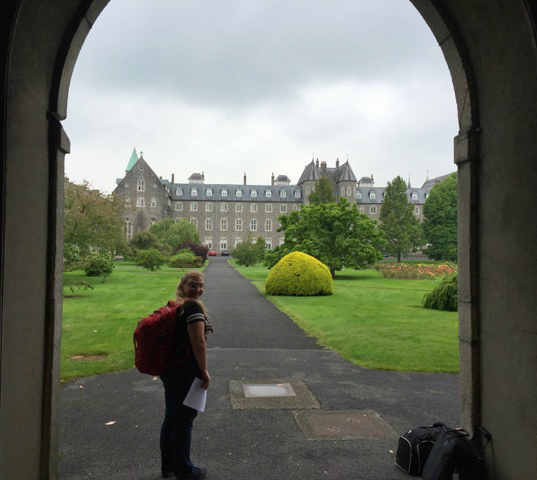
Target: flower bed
(416, 271)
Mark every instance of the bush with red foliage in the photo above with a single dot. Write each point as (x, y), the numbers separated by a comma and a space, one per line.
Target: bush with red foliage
(198, 250)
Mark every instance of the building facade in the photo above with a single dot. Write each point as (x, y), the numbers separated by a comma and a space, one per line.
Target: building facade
(226, 213)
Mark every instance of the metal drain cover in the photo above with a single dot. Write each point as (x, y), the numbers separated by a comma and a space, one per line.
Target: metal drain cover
(347, 425)
(268, 390)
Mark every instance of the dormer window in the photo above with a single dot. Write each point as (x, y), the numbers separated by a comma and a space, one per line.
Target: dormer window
(209, 192)
(373, 195)
(178, 191)
(253, 193)
(358, 194)
(194, 192)
(415, 196)
(297, 193)
(283, 194)
(238, 193)
(268, 194)
(224, 192)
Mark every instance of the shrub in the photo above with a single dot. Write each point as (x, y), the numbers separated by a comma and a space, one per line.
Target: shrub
(150, 259)
(197, 249)
(415, 271)
(444, 296)
(98, 265)
(248, 253)
(185, 259)
(299, 274)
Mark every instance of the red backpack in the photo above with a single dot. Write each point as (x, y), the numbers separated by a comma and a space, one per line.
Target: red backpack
(153, 340)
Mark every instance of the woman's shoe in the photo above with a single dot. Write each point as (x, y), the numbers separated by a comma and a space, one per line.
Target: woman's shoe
(197, 474)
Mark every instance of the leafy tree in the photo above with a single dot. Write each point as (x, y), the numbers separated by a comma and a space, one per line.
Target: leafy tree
(322, 192)
(247, 252)
(150, 259)
(93, 220)
(401, 229)
(440, 223)
(175, 234)
(337, 234)
(145, 240)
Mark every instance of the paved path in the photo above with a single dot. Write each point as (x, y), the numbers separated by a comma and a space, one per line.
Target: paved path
(254, 341)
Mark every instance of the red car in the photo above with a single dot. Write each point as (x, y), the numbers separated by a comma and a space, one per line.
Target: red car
(211, 253)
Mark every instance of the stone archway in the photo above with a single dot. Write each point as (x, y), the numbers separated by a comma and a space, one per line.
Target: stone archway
(491, 52)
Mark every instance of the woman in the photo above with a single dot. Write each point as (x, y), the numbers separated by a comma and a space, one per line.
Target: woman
(189, 361)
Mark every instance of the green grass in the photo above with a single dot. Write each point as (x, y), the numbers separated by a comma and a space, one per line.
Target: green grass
(102, 320)
(373, 321)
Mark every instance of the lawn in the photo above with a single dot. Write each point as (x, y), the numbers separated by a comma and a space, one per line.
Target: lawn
(101, 321)
(373, 321)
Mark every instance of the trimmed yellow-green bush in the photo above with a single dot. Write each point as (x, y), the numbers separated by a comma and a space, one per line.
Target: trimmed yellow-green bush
(299, 274)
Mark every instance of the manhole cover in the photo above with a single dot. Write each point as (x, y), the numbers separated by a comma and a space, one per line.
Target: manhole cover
(348, 425)
(268, 390)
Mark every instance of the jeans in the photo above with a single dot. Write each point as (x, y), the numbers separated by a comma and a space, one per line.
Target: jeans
(176, 430)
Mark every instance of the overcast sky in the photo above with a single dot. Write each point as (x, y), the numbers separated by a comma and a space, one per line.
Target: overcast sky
(260, 86)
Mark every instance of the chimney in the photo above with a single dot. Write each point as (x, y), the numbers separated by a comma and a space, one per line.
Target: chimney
(203, 175)
(317, 163)
(173, 178)
(372, 181)
(244, 178)
(272, 179)
(323, 168)
(337, 162)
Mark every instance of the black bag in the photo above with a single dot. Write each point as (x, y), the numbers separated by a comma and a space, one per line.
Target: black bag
(452, 452)
(414, 448)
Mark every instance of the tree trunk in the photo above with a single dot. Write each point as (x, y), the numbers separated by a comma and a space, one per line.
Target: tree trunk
(399, 257)
(332, 272)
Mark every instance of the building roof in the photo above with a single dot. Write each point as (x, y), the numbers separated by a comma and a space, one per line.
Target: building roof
(282, 178)
(379, 191)
(366, 180)
(196, 176)
(310, 173)
(133, 160)
(345, 174)
(433, 181)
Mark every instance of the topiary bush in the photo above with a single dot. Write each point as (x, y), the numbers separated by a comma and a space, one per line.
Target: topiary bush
(185, 259)
(299, 274)
(98, 265)
(444, 296)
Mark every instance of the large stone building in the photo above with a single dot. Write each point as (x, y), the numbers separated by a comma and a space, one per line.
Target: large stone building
(225, 213)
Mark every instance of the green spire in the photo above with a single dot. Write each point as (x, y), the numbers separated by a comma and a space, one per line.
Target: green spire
(133, 160)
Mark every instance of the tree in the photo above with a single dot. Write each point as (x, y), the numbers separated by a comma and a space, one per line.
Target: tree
(175, 234)
(93, 220)
(440, 223)
(337, 234)
(322, 192)
(401, 229)
(150, 259)
(247, 252)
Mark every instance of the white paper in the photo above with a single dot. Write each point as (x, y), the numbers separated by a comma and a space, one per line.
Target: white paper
(196, 396)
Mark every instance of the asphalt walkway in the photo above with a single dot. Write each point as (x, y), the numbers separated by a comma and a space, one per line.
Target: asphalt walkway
(253, 341)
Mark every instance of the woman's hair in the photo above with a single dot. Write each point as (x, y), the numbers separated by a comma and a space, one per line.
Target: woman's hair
(180, 296)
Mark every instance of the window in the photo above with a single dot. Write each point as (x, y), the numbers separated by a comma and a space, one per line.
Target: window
(308, 190)
(208, 207)
(268, 208)
(209, 242)
(194, 221)
(223, 224)
(224, 207)
(415, 196)
(194, 192)
(349, 191)
(253, 225)
(177, 219)
(297, 194)
(178, 191)
(153, 203)
(358, 194)
(209, 192)
(141, 185)
(253, 208)
(208, 224)
(140, 202)
(238, 193)
(372, 195)
(268, 243)
(373, 209)
(253, 193)
(283, 194)
(179, 206)
(282, 240)
(238, 225)
(283, 208)
(238, 207)
(416, 210)
(223, 243)
(268, 194)
(268, 225)
(128, 229)
(295, 207)
(342, 190)
(238, 240)
(224, 192)
(193, 206)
